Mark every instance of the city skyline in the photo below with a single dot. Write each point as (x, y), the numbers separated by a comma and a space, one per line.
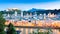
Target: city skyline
(28, 4)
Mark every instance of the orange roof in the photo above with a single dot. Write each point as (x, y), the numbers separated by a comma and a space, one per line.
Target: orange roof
(25, 23)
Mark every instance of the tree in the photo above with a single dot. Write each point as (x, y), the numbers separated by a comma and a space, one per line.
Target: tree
(11, 29)
(2, 20)
(49, 31)
(2, 24)
(37, 31)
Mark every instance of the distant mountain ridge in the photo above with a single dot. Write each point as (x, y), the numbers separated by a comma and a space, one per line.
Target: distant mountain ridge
(34, 10)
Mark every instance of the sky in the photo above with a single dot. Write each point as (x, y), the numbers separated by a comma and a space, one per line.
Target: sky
(28, 4)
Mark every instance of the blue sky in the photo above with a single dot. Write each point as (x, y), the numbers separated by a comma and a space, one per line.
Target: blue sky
(28, 4)
(26, 1)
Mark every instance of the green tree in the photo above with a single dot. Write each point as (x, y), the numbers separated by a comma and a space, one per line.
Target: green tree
(2, 24)
(2, 20)
(37, 31)
(49, 31)
(11, 29)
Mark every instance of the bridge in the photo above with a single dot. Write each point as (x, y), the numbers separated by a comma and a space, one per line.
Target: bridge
(37, 27)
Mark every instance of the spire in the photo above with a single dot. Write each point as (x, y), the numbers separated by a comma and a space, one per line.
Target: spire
(44, 15)
(27, 15)
(30, 14)
(21, 13)
(49, 14)
(15, 13)
(8, 15)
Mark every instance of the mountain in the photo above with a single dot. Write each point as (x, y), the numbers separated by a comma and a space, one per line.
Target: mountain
(34, 10)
